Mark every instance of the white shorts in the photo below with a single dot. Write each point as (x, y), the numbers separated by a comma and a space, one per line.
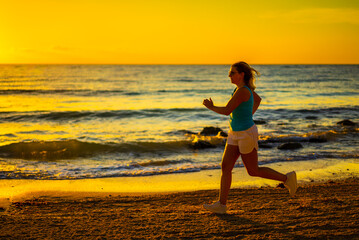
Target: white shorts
(246, 140)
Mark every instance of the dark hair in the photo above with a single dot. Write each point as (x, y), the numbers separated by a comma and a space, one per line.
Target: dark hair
(249, 73)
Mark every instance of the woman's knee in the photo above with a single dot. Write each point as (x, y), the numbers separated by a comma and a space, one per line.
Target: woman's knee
(253, 172)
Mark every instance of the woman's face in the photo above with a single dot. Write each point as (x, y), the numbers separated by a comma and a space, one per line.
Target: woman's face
(235, 76)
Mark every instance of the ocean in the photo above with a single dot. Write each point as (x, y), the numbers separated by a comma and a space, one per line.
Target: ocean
(100, 121)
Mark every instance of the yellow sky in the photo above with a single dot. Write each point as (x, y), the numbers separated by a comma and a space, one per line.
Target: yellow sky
(179, 32)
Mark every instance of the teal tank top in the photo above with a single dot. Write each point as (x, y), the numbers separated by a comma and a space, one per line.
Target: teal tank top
(242, 118)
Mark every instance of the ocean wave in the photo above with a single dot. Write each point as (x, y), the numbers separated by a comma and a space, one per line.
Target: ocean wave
(309, 157)
(102, 173)
(332, 110)
(313, 137)
(193, 113)
(79, 92)
(345, 112)
(52, 150)
(105, 92)
(88, 115)
(70, 149)
(162, 163)
(73, 148)
(146, 168)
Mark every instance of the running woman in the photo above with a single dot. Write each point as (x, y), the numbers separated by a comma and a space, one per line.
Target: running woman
(243, 135)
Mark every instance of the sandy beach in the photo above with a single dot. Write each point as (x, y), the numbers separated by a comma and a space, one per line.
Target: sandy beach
(327, 210)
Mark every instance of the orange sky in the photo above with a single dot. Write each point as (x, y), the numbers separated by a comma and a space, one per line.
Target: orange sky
(179, 32)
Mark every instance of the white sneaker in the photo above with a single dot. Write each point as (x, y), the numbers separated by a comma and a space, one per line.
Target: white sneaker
(216, 207)
(291, 183)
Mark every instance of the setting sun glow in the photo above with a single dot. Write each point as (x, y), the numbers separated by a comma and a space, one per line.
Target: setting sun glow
(179, 32)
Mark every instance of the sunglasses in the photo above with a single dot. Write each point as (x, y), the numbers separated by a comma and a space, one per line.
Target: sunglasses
(232, 73)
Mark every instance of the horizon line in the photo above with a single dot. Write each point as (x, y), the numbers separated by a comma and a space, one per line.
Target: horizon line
(176, 64)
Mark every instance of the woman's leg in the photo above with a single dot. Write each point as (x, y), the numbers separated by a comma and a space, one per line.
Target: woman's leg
(230, 156)
(250, 161)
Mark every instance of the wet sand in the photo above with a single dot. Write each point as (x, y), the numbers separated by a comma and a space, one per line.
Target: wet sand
(327, 210)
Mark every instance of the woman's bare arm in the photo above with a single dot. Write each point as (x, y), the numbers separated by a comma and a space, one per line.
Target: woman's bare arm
(241, 95)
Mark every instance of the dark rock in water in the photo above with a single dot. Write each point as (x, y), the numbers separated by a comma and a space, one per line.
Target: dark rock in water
(264, 145)
(346, 122)
(200, 144)
(317, 140)
(210, 131)
(280, 185)
(311, 117)
(223, 134)
(287, 146)
(259, 122)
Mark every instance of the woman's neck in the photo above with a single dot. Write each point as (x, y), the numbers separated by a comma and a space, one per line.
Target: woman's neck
(240, 85)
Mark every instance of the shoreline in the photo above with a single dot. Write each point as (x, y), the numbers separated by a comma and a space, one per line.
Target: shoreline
(326, 210)
(307, 171)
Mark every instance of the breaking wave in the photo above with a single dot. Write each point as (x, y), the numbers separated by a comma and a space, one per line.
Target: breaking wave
(193, 113)
(72, 148)
(69, 149)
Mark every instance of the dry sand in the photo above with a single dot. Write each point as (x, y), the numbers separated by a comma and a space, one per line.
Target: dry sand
(319, 211)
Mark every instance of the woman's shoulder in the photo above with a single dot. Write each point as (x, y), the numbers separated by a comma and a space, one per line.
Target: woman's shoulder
(243, 93)
(243, 90)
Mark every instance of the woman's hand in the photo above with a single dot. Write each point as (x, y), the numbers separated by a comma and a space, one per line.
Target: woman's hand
(208, 103)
